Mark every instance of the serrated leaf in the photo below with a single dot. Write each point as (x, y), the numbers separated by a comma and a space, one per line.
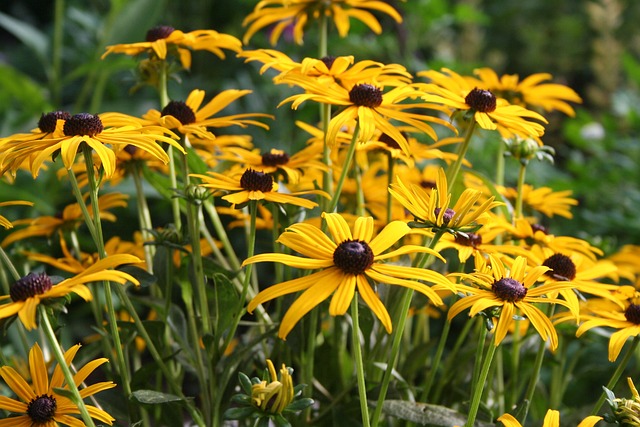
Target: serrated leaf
(152, 397)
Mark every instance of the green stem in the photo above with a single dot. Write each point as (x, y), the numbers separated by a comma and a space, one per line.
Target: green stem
(500, 163)
(56, 52)
(144, 216)
(480, 384)
(193, 224)
(617, 374)
(357, 355)
(454, 168)
(345, 169)
(519, 197)
(66, 372)
(390, 166)
(435, 364)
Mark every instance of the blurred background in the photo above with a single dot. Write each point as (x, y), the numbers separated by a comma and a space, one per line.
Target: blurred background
(50, 60)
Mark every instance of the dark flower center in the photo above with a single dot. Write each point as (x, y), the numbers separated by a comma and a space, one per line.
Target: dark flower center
(365, 95)
(391, 143)
(48, 121)
(29, 286)
(275, 158)
(481, 100)
(42, 409)
(130, 149)
(83, 124)
(427, 184)
(256, 181)
(632, 313)
(159, 32)
(353, 256)
(508, 289)
(538, 227)
(562, 268)
(328, 60)
(469, 239)
(447, 216)
(180, 111)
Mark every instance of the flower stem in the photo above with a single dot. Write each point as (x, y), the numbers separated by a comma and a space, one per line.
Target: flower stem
(521, 176)
(617, 374)
(68, 376)
(454, 168)
(193, 224)
(144, 216)
(480, 383)
(345, 169)
(357, 355)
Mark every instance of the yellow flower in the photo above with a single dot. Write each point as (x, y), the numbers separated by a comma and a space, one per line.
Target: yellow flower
(544, 200)
(346, 261)
(253, 185)
(454, 91)
(163, 39)
(513, 293)
(529, 92)
(39, 403)
(274, 396)
(551, 419)
(296, 13)
(27, 293)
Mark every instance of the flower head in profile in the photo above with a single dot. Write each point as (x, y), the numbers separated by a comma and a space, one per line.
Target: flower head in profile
(551, 419)
(529, 92)
(480, 104)
(40, 404)
(544, 200)
(38, 288)
(164, 39)
(347, 261)
(297, 13)
(254, 185)
(430, 209)
(508, 293)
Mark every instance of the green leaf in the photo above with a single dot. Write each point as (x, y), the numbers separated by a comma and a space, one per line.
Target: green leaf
(29, 35)
(245, 383)
(134, 19)
(227, 301)
(238, 413)
(300, 404)
(425, 413)
(507, 209)
(144, 277)
(65, 392)
(195, 162)
(152, 397)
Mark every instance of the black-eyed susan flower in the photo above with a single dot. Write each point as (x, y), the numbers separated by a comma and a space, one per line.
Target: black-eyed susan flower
(105, 137)
(551, 419)
(36, 288)
(544, 200)
(39, 404)
(254, 185)
(508, 293)
(529, 92)
(347, 261)
(367, 103)
(191, 118)
(626, 320)
(164, 39)
(430, 209)
(297, 13)
(4, 221)
(451, 89)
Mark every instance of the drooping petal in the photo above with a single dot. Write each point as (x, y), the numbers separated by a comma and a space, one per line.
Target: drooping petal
(373, 301)
(343, 296)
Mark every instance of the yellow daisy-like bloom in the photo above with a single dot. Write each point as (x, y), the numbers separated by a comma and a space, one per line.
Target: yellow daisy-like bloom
(454, 91)
(625, 320)
(530, 91)
(163, 39)
(70, 219)
(105, 137)
(27, 293)
(273, 396)
(296, 13)
(627, 258)
(40, 404)
(191, 120)
(347, 261)
(367, 103)
(551, 419)
(544, 200)
(254, 185)
(431, 209)
(4, 221)
(512, 292)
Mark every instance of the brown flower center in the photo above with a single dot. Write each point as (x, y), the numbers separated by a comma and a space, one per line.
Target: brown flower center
(256, 181)
(29, 286)
(42, 409)
(481, 100)
(632, 313)
(391, 143)
(275, 158)
(353, 256)
(538, 227)
(469, 239)
(180, 111)
(365, 95)
(447, 216)
(427, 184)
(508, 289)
(159, 32)
(328, 60)
(48, 121)
(83, 124)
(562, 268)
